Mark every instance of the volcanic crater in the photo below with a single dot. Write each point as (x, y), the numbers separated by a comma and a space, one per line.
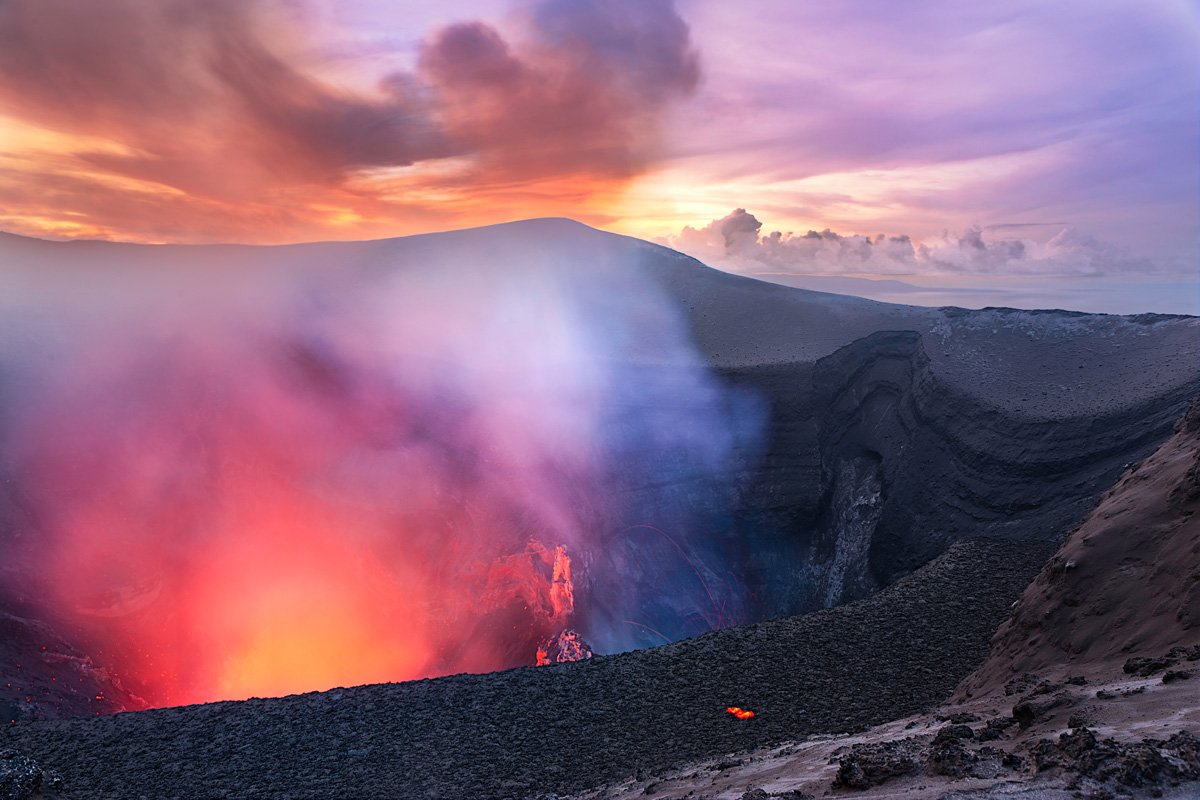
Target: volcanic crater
(812, 506)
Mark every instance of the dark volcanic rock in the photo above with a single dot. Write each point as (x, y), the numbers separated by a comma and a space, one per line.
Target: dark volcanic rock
(43, 676)
(1145, 667)
(1023, 684)
(567, 646)
(949, 754)
(949, 757)
(762, 794)
(22, 779)
(895, 653)
(994, 729)
(1036, 708)
(954, 759)
(954, 732)
(1039, 698)
(1107, 763)
(871, 764)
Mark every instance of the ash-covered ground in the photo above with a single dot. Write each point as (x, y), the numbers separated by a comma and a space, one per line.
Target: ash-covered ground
(1091, 688)
(561, 728)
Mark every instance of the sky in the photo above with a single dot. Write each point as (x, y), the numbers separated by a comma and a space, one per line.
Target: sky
(934, 142)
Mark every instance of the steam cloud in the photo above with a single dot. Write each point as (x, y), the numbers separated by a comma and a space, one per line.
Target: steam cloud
(354, 464)
(196, 109)
(736, 241)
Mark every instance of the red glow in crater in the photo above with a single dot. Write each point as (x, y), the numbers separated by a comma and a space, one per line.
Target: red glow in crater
(286, 529)
(568, 646)
(246, 473)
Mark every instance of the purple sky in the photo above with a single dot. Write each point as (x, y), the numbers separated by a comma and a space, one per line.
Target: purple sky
(1009, 141)
(914, 117)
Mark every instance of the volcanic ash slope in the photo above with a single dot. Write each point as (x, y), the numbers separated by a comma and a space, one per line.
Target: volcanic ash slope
(1127, 581)
(1091, 689)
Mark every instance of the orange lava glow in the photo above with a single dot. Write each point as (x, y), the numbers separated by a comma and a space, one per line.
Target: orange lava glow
(219, 539)
(570, 646)
(280, 602)
(562, 590)
(740, 713)
(564, 648)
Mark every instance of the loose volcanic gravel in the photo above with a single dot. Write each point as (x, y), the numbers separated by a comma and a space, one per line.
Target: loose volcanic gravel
(532, 731)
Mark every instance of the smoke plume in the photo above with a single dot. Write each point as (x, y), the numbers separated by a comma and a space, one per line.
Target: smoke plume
(240, 471)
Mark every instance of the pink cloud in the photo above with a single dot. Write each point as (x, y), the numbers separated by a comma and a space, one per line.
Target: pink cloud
(206, 99)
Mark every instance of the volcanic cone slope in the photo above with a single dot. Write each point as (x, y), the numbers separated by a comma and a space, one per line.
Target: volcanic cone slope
(1125, 583)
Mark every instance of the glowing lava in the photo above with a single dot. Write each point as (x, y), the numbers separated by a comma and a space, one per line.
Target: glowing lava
(740, 713)
(562, 590)
(566, 647)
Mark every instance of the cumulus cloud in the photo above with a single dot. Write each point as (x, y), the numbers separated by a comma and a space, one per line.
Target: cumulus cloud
(737, 241)
(211, 100)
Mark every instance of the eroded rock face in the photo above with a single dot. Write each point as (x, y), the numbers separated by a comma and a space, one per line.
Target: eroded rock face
(865, 396)
(877, 459)
(855, 507)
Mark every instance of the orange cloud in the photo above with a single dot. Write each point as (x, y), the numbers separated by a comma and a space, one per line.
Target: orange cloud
(193, 120)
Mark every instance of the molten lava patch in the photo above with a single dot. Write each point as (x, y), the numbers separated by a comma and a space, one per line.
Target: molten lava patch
(740, 713)
(566, 647)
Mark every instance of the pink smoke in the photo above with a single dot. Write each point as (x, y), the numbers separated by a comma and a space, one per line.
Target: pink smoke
(352, 465)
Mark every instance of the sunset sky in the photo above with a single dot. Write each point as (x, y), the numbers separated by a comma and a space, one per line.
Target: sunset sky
(1054, 139)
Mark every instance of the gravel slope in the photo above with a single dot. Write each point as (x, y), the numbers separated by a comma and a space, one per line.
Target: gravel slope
(562, 728)
(1090, 689)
